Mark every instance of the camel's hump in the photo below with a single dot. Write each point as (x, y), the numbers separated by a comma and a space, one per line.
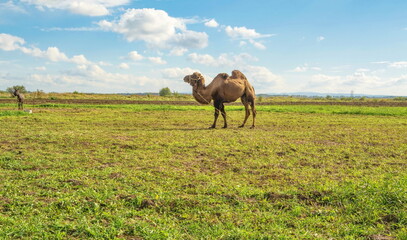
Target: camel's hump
(238, 74)
(224, 76)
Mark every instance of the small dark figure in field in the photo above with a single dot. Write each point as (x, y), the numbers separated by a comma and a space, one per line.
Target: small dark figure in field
(20, 98)
(224, 89)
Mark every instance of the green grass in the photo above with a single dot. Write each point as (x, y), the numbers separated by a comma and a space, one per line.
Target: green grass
(157, 172)
(12, 113)
(324, 109)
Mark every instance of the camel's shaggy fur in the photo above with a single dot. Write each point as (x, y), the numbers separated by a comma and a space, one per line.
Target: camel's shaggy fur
(223, 89)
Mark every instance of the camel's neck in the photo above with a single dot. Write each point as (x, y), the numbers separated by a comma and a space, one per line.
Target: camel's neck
(18, 95)
(202, 94)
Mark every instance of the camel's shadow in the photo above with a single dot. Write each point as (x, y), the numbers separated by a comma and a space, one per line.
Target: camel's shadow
(180, 129)
(194, 129)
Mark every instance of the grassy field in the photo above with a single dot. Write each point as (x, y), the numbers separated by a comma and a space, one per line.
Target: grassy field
(156, 172)
(187, 97)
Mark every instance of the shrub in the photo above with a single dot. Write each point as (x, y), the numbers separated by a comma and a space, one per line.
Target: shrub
(164, 92)
(21, 89)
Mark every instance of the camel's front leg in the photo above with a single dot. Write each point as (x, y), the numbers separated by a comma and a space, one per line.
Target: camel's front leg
(216, 105)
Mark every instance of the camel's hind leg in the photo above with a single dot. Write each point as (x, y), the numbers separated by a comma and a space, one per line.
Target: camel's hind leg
(222, 110)
(247, 111)
(254, 113)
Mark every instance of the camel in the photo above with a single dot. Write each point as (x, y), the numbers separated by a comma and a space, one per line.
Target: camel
(223, 89)
(20, 98)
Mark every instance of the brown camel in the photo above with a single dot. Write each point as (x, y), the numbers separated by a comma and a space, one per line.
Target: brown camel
(20, 98)
(223, 89)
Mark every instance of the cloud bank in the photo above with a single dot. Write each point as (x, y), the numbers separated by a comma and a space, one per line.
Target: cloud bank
(83, 7)
(157, 29)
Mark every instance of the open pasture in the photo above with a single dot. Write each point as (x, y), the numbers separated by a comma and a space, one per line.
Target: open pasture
(156, 172)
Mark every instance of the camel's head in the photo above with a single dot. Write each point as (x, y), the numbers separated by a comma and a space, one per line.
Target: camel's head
(196, 79)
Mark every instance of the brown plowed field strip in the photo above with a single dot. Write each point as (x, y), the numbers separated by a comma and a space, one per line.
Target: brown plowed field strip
(108, 102)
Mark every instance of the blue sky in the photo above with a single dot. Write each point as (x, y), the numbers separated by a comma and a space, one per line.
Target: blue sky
(110, 46)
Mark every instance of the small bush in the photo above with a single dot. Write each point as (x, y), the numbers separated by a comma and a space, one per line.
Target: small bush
(165, 92)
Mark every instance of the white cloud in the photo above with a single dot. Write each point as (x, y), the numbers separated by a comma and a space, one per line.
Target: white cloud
(381, 62)
(304, 68)
(389, 64)
(10, 6)
(105, 64)
(55, 55)
(257, 45)
(82, 7)
(223, 59)
(400, 81)
(401, 64)
(178, 51)
(300, 69)
(362, 70)
(261, 77)
(244, 33)
(187, 39)
(157, 60)
(88, 8)
(204, 59)
(177, 73)
(124, 66)
(362, 79)
(42, 78)
(10, 42)
(326, 82)
(13, 43)
(320, 38)
(94, 77)
(156, 28)
(71, 29)
(80, 59)
(135, 56)
(150, 25)
(212, 23)
(41, 68)
(358, 81)
(52, 53)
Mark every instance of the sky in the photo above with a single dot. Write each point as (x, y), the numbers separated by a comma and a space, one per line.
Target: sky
(134, 46)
